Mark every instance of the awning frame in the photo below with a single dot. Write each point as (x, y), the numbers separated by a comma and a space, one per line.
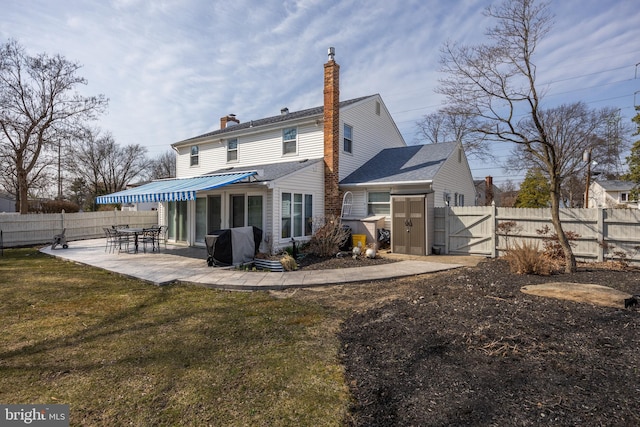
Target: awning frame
(175, 189)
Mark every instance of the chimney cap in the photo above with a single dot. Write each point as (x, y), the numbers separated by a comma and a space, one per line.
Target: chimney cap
(284, 111)
(331, 52)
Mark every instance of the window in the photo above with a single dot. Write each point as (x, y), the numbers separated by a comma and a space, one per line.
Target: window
(624, 197)
(377, 108)
(289, 141)
(245, 210)
(286, 215)
(194, 155)
(348, 139)
(297, 211)
(236, 216)
(254, 208)
(232, 150)
(308, 215)
(460, 199)
(379, 203)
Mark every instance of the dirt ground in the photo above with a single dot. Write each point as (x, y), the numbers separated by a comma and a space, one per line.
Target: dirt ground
(470, 347)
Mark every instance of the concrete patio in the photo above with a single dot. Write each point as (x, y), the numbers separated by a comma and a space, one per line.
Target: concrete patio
(188, 265)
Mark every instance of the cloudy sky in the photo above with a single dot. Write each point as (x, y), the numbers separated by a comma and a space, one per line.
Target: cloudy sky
(172, 68)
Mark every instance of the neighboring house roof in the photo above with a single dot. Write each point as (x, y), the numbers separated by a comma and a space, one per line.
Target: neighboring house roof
(271, 171)
(616, 185)
(415, 163)
(310, 112)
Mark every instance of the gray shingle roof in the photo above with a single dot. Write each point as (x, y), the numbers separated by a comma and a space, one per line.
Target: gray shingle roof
(616, 185)
(402, 164)
(310, 112)
(272, 171)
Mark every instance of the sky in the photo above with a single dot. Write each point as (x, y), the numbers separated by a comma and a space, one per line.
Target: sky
(172, 68)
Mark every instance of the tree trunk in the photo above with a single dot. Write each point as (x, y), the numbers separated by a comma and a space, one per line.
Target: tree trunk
(23, 191)
(569, 258)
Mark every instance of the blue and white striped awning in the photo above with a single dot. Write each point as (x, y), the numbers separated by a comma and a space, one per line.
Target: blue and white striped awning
(171, 190)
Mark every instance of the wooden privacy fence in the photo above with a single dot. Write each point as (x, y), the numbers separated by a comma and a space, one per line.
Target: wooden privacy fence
(603, 233)
(34, 229)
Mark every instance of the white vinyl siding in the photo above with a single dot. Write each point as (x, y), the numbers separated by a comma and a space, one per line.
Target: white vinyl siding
(308, 181)
(454, 177)
(374, 133)
(256, 148)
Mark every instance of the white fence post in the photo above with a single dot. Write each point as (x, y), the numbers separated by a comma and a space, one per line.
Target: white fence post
(600, 235)
(494, 229)
(446, 229)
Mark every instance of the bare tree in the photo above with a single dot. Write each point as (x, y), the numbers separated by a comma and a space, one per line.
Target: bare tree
(508, 194)
(572, 129)
(103, 165)
(38, 108)
(497, 84)
(163, 166)
(449, 126)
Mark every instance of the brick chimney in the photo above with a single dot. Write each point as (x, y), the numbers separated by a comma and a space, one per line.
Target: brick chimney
(226, 119)
(332, 202)
(488, 191)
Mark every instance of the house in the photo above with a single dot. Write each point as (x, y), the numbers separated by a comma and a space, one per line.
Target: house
(486, 192)
(611, 194)
(282, 173)
(7, 203)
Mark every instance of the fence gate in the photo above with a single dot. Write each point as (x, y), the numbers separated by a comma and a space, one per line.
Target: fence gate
(408, 233)
(470, 230)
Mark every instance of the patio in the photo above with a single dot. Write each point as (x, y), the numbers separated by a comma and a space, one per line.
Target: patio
(189, 265)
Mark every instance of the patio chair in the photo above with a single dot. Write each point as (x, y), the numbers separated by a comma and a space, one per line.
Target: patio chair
(162, 236)
(123, 241)
(150, 236)
(110, 236)
(117, 240)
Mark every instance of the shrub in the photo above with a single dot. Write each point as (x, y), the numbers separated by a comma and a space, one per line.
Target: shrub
(53, 206)
(552, 248)
(328, 237)
(288, 263)
(528, 259)
(508, 229)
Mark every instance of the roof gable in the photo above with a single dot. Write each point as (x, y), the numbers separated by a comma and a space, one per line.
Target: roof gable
(414, 163)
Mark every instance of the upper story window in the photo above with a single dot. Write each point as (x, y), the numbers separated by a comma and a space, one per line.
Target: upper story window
(377, 108)
(624, 197)
(232, 150)
(348, 139)
(194, 155)
(289, 141)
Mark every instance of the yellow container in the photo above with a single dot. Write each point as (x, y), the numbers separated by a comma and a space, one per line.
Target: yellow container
(361, 238)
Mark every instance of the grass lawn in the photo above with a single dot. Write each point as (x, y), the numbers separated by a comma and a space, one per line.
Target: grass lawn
(121, 351)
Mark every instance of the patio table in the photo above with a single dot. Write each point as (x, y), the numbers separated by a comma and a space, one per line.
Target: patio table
(135, 232)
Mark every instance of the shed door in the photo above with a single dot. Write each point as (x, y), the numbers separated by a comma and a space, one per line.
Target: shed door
(408, 229)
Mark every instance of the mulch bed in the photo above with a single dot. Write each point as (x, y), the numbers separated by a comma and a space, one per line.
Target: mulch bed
(313, 262)
(467, 347)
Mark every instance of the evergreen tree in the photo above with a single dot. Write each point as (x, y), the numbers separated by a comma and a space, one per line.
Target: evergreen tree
(633, 160)
(534, 191)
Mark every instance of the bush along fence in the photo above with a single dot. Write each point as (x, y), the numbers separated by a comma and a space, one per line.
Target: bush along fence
(596, 234)
(34, 229)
